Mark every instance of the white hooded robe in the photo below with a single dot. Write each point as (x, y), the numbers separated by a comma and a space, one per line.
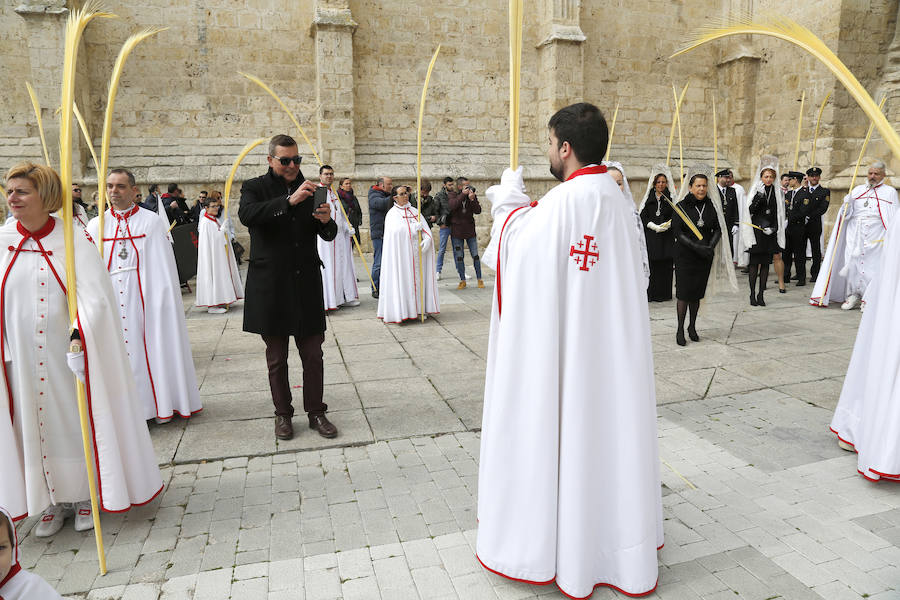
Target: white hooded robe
(218, 280)
(338, 276)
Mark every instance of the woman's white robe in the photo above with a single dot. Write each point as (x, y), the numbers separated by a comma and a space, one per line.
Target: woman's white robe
(218, 280)
(400, 295)
(40, 436)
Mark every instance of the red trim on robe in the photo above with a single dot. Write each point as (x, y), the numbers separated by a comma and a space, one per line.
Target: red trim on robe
(594, 170)
(596, 585)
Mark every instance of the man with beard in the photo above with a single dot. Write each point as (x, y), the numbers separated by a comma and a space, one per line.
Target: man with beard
(568, 483)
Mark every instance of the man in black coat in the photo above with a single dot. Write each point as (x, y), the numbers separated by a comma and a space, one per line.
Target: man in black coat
(798, 206)
(819, 199)
(729, 206)
(283, 293)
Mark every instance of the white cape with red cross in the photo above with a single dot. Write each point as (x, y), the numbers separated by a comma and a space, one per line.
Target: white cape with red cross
(40, 436)
(569, 485)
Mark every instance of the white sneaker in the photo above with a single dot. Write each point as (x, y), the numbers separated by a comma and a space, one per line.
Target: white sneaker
(438, 275)
(217, 310)
(351, 303)
(851, 302)
(52, 520)
(83, 519)
(162, 420)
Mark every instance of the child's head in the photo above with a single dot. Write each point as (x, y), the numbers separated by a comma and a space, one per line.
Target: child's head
(7, 545)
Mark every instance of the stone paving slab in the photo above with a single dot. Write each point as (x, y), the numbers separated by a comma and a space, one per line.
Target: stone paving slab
(758, 500)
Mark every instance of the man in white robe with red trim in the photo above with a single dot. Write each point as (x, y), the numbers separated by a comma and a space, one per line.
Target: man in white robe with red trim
(142, 269)
(42, 463)
(568, 483)
(400, 297)
(338, 276)
(855, 247)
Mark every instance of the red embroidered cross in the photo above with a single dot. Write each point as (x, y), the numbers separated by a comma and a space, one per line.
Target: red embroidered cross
(582, 256)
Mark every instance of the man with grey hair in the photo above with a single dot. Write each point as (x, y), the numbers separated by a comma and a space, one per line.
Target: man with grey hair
(855, 248)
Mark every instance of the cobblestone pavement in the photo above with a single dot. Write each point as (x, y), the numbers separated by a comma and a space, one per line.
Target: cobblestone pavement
(759, 501)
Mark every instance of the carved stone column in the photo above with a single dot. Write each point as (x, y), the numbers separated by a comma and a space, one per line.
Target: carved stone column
(561, 53)
(332, 29)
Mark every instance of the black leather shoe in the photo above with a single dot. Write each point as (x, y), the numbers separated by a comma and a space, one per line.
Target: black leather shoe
(753, 301)
(760, 300)
(800, 283)
(782, 291)
(321, 424)
(283, 428)
(692, 333)
(679, 338)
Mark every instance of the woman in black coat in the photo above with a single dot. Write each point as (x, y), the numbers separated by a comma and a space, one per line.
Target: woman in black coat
(764, 215)
(656, 215)
(694, 257)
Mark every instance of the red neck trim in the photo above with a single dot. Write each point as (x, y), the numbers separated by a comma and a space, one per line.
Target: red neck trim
(12, 573)
(210, 217)
(127, 213)
(587, 171)
(44, 231)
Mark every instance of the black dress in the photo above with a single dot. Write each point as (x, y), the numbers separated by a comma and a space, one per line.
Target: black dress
(764, 214)
(660, 248)
(693, 257)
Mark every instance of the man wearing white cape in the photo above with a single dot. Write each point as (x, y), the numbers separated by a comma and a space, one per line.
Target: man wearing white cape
(218, 280)
(856, 244)
(867, 418)
(142, 268)
(400, 296)
(42, 465)
(338, 277)
(568, 482)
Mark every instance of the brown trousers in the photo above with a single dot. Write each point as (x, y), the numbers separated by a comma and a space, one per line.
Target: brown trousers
(310, 348)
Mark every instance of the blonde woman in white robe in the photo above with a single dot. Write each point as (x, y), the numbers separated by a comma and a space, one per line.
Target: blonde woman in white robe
(218, 280)
(42, 463)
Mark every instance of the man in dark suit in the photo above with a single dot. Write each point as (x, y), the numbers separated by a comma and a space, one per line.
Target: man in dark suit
(283, 293)
(729, 206)
(819, 199)
(798, 205)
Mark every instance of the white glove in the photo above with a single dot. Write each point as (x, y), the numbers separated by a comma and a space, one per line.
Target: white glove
(734, 229)
(75, 361)
(848, 207)
(665, 226)
(225, 224)
(426, 242)
(513, 179)
(768, 231)
(654, 227)
(352, 231)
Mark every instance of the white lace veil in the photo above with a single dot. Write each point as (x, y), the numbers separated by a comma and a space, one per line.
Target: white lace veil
(612, 164)
(721, 276)
(638, 224)
(748, 237)
(663, 169)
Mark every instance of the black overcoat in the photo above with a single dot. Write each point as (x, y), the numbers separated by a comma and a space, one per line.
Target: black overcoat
(283, 293)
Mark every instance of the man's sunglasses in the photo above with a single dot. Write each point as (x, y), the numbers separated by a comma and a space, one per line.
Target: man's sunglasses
(286, 160)
(76, 189)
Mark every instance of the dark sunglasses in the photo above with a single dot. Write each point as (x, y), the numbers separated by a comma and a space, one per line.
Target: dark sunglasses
(286, 160)
(76, 189)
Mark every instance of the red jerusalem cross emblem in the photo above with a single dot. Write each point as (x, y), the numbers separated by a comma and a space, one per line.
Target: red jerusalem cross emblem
(586, 251)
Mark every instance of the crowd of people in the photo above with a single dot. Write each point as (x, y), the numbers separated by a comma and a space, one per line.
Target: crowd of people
(583, 257)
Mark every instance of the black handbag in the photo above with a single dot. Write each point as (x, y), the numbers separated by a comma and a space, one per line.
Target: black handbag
(238, 250)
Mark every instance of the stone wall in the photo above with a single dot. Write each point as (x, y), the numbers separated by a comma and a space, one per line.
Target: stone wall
(352, 71)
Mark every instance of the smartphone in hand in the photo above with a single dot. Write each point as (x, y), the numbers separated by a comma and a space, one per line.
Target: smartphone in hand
(321, 196)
